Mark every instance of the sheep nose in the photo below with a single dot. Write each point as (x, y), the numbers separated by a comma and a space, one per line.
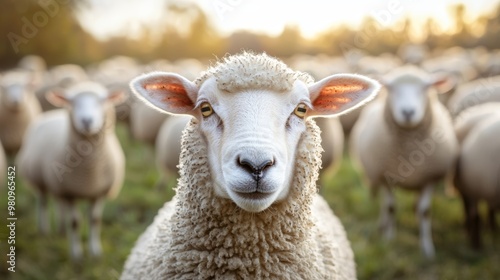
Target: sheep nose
(408, 113)
(86, 123)
(256, 170)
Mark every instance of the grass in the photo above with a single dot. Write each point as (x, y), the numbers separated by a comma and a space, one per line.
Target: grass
(125, 218)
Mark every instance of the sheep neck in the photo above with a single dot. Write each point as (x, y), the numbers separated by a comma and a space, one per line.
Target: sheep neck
(219, 227)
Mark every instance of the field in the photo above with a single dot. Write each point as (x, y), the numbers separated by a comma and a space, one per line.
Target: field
(46, 257)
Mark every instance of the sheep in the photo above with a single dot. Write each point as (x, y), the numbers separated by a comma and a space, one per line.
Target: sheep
(18, 108)
(477, 175)
(74, 154)
(472, 116)
(168, 146)
(36, 65)
(246, 203)
(474, 93)
(406, 138)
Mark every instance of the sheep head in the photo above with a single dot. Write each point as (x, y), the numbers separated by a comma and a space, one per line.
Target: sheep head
(15, 88)
(409, 91)
(252, 134)
(88, 104)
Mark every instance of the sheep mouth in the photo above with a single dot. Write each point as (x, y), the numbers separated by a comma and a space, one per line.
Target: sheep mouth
(254, 195)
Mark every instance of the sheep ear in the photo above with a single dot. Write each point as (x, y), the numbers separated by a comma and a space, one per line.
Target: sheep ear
(117, 96)
(443, 82)
(56, 97)
(340, 93)
(168, 92)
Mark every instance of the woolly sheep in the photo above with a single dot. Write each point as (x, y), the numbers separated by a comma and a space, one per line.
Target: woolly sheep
(472, 116)
(74, 154)
(18, 108)
(246, 204)
(474, 93)
(477, 176)
(406, 139)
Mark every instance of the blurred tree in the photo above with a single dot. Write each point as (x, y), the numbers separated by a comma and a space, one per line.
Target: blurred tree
(47, 28)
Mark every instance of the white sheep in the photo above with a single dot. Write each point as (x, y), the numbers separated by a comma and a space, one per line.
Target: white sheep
(74, 154)
(477, 176)
(18, 108)
(406, 139)
(471, 117)
(474, 93)
(246, 205)
(36, 65)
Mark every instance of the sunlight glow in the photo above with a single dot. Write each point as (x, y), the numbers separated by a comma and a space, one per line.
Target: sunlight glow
(114, 17)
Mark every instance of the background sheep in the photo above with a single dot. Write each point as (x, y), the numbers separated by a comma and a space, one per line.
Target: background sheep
(471, 117)
(477, 175)
(406, 139)
(246, 203)
(474, 93)
(18, 107)
(168, 146)
(74, 154)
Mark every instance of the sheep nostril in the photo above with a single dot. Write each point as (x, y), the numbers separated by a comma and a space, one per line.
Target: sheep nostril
(256, 170)
(86, 123)
(408, 113)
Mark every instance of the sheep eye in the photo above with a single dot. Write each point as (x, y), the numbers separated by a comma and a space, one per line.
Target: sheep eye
(206, 109)
(300, 110)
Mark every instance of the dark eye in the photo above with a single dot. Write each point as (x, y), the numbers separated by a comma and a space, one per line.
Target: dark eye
(206, 109)
(301, 110)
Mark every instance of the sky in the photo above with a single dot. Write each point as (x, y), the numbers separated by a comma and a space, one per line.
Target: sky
(118, 17)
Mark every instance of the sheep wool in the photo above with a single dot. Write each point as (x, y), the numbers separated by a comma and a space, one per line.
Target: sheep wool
(254, 72)
(198, 235)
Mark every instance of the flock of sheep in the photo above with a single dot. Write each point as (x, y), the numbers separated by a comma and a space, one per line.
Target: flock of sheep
(248, 137)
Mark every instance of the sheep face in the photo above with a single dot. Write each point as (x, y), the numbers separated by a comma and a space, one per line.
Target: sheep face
(252, 134)
(409, 93)
(88, 104)
(15, 90)
(408, 102)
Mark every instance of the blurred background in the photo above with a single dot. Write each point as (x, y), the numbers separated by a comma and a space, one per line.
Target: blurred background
(88, 31)
(111, 41)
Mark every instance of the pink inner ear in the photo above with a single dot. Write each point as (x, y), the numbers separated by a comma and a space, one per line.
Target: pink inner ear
(175, 95)
(335, 96)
